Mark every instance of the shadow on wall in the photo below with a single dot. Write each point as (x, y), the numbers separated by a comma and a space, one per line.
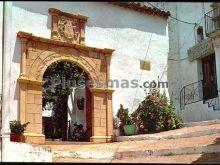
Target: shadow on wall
(17, 59)
(102, 14)
(209, 157)
(17, 51)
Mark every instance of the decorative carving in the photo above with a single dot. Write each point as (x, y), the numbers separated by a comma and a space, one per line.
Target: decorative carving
(67, 30)
(67, 27)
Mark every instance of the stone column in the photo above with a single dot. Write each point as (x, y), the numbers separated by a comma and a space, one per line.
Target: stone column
(5, 131)
(82, 32)
(108, 58)
(54, 22)
(31, 109)
(102, 122)
(23, 86)
(109, 116)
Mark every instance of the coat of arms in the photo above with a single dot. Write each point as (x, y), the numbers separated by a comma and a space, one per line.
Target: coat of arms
(67, 29)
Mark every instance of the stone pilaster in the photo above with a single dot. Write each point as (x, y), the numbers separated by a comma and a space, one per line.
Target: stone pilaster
(102, 122)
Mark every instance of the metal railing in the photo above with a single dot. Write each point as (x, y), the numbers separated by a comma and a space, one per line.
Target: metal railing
(212, 21)
(191, 93)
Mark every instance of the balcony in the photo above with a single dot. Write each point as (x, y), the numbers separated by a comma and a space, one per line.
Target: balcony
(212, 22)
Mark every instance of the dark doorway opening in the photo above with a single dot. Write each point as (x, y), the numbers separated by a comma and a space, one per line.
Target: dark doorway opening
(209, 77)
(58, 124)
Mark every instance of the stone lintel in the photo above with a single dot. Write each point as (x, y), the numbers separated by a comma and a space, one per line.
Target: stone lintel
(201, 49)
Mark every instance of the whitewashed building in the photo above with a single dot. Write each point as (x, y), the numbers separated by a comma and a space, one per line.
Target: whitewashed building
(193, 62)
(133, 44)
(135, 35)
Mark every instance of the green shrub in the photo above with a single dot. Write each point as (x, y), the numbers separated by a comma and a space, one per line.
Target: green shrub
(155, 113)
(124, 118)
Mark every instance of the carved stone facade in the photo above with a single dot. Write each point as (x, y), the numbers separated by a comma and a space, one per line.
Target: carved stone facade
(67, 27)
(37, 54)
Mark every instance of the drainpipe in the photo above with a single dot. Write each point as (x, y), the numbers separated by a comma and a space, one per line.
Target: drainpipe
(6, 64)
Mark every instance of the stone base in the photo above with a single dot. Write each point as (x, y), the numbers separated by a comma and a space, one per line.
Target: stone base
(101, 139)
(34, 138)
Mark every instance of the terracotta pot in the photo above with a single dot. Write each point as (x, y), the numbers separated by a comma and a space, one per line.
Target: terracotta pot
(17, 137)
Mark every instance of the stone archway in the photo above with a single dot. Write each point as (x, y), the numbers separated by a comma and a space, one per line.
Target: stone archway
(37, 54)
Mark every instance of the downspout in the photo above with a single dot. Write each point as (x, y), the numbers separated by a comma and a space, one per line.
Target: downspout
(6, 61)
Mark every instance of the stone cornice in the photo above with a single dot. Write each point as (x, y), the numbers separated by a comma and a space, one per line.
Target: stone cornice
(29, 81)
(30, 36)
(58, 12)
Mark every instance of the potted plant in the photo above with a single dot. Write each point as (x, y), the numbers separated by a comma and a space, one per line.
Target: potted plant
(80, 103)
(127, 126)
(17, 130)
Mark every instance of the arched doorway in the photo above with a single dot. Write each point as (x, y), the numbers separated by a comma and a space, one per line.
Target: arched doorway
(66, 103)
(37, 54)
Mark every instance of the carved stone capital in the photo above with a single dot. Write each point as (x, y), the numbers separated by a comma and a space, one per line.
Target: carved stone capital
(22, 76)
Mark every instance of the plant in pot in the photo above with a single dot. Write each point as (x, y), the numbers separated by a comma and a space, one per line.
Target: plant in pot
(80, 103)
(17, 130)
(127, 125)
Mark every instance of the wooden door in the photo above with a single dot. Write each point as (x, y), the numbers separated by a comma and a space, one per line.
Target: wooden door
(209, 77)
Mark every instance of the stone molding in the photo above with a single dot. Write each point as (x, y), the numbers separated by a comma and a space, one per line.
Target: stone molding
(30, 36)
(29, 81)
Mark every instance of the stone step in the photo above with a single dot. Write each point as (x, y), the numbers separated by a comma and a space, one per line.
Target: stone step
(202, 123)
(144, 148)
(167, 152)
(186, 132)
(188, 158)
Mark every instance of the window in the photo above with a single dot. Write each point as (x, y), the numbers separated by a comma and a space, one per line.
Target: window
(200, 35)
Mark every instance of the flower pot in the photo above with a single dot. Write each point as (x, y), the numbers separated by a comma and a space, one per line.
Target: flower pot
(80, 104)
(17, 137)
(129, 129)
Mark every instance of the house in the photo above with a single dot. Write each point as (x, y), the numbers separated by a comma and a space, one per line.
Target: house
(193, 62)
